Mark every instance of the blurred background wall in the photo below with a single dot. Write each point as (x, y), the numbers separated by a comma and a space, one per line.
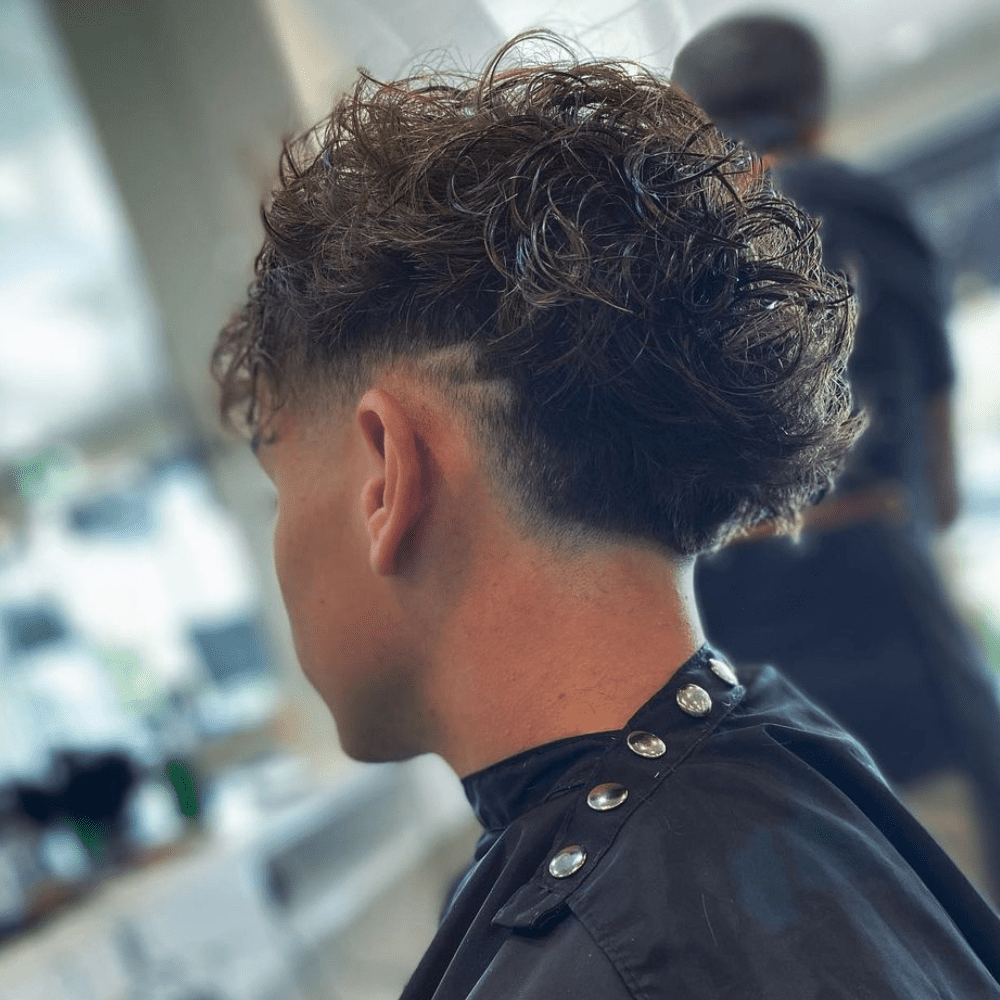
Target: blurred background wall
(175, 817)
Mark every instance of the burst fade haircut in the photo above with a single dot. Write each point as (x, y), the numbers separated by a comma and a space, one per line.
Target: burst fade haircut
(662, 351)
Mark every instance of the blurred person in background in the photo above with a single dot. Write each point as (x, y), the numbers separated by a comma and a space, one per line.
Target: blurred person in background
(854, 610)
(519, 346)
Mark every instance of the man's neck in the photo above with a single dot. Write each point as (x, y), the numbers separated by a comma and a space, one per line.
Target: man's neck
(552, 649)
(809, 142)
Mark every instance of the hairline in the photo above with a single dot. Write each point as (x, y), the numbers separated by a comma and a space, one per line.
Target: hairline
(450, 372)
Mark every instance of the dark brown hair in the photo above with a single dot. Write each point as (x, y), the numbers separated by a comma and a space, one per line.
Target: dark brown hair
(670, 349)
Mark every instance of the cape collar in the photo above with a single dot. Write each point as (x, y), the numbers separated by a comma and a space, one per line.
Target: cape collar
(499, 794)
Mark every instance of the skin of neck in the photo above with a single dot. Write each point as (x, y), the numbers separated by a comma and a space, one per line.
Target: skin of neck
(544, 647)
(809, 142)
(525, 641)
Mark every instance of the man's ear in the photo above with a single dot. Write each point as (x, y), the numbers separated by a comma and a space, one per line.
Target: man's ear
(393, 492)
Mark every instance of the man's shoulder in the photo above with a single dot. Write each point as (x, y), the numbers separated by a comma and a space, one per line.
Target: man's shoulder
(824, 179)
(705, 774)
(856, 206)
(762, 837)
(733, 841)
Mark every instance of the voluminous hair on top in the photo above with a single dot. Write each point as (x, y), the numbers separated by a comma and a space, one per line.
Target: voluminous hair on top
(647, 341)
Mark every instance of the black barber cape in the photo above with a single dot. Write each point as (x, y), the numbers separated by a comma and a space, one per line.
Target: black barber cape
(731, 842)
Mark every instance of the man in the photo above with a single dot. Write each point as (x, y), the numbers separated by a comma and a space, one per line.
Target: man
(856, 601)
(518, 348)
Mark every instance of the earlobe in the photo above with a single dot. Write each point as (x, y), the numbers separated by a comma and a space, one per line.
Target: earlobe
(392, 496)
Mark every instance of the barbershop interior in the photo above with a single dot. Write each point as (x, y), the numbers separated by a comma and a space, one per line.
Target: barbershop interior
(177, 819)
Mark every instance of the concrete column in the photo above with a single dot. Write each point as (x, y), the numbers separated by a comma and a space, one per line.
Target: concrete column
(191, 101)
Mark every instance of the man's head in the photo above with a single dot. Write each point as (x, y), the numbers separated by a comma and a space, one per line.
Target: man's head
(762, 78)
(640, 328)
(551, 299)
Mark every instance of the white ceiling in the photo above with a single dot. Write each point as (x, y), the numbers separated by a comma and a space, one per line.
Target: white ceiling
(863, 36)
(937, 57)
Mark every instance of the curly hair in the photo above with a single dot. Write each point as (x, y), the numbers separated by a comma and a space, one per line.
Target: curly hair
(670, 349)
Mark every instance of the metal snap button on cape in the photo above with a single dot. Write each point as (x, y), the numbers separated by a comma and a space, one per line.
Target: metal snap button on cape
(694, 700)
(607, 796)
(724, 671)
(646, 744)
(567, 861)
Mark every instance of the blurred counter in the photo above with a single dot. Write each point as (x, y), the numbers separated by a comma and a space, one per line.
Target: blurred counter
(266, 911)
